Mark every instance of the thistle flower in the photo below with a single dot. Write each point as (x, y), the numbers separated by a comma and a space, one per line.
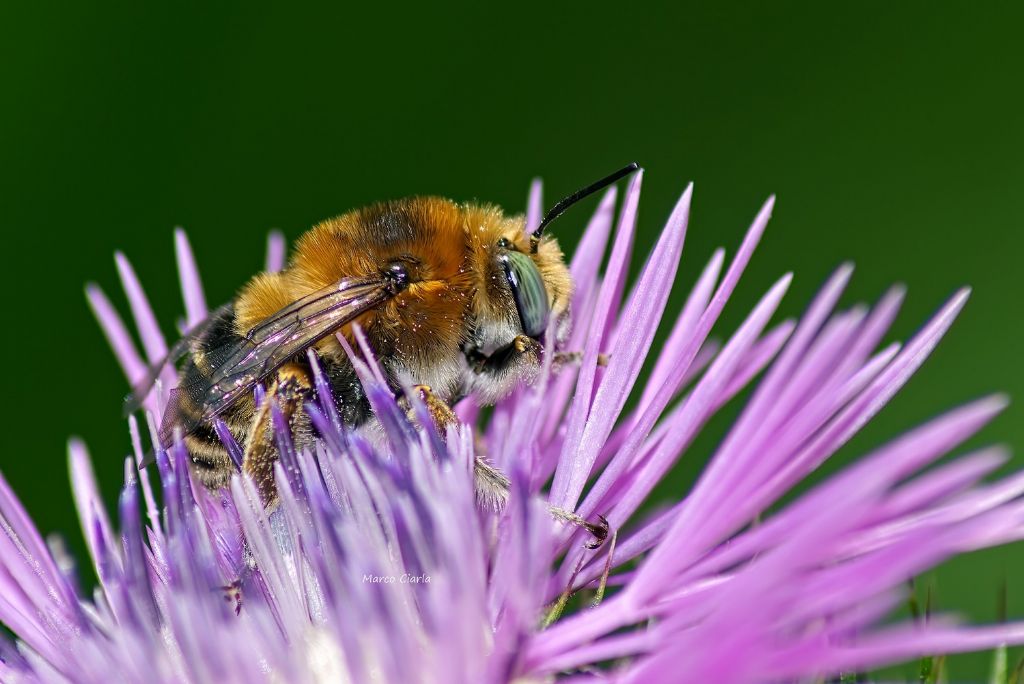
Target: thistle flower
(379, 566)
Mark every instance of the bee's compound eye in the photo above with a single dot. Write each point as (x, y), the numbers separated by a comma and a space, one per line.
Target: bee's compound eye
(528, 292)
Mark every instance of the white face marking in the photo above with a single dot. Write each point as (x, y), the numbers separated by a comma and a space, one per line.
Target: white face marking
(451, 377)
(494, 333)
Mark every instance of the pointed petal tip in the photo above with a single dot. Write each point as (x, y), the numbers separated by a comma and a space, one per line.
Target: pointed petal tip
(955, 304)
(840, 278)
(890, 351)
(996, 403)
(609, 196)
(78, 454)
(757, 228)
(764, 215)
(681, 211)
(181, 241)
(779, 289)
(276, 251)
(859, 310)
(997, 453)
(125, 270)
(897, 291)
(275, 238)
(980, 411)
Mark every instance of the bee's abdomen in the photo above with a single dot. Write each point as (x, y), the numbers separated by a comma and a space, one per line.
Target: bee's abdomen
(209, 458)
(210, 461)
(347, 392)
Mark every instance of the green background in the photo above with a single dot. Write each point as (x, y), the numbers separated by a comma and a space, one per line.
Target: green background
(891, 133)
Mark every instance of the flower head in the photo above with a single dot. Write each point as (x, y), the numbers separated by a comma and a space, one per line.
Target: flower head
(378, 565)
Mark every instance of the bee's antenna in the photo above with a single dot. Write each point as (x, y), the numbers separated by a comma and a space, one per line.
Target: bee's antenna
(575, 197)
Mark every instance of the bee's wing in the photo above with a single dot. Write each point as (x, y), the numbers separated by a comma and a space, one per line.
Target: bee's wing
(141, 389)
(242, 363)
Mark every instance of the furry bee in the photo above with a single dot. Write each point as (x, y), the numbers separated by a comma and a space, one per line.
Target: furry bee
(454, 298)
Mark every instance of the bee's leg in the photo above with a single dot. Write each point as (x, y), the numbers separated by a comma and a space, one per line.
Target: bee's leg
(566, 358)
(555, 610)
(492, 487)
(492, 484)
(492, 491)
(441, 413)
(233, 595)
(292, 386)
(598, 530)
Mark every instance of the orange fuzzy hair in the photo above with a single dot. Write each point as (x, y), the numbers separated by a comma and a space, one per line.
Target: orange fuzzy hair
(453, 273)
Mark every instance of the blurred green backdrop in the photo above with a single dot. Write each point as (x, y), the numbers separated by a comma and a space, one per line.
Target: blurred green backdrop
(891, 132)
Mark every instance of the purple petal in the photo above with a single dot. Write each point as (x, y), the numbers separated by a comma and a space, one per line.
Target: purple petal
(534, 206)
(276, 248)
(116, 333)
(629, 352)
(191, 286)
(149, 331)
(566, 475)
(91, 510)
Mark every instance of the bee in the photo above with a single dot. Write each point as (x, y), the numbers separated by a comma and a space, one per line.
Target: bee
(455, 299)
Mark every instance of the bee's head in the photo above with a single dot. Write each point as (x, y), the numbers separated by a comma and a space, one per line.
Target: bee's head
(525, 274)
(538, 282)
(528, 275)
